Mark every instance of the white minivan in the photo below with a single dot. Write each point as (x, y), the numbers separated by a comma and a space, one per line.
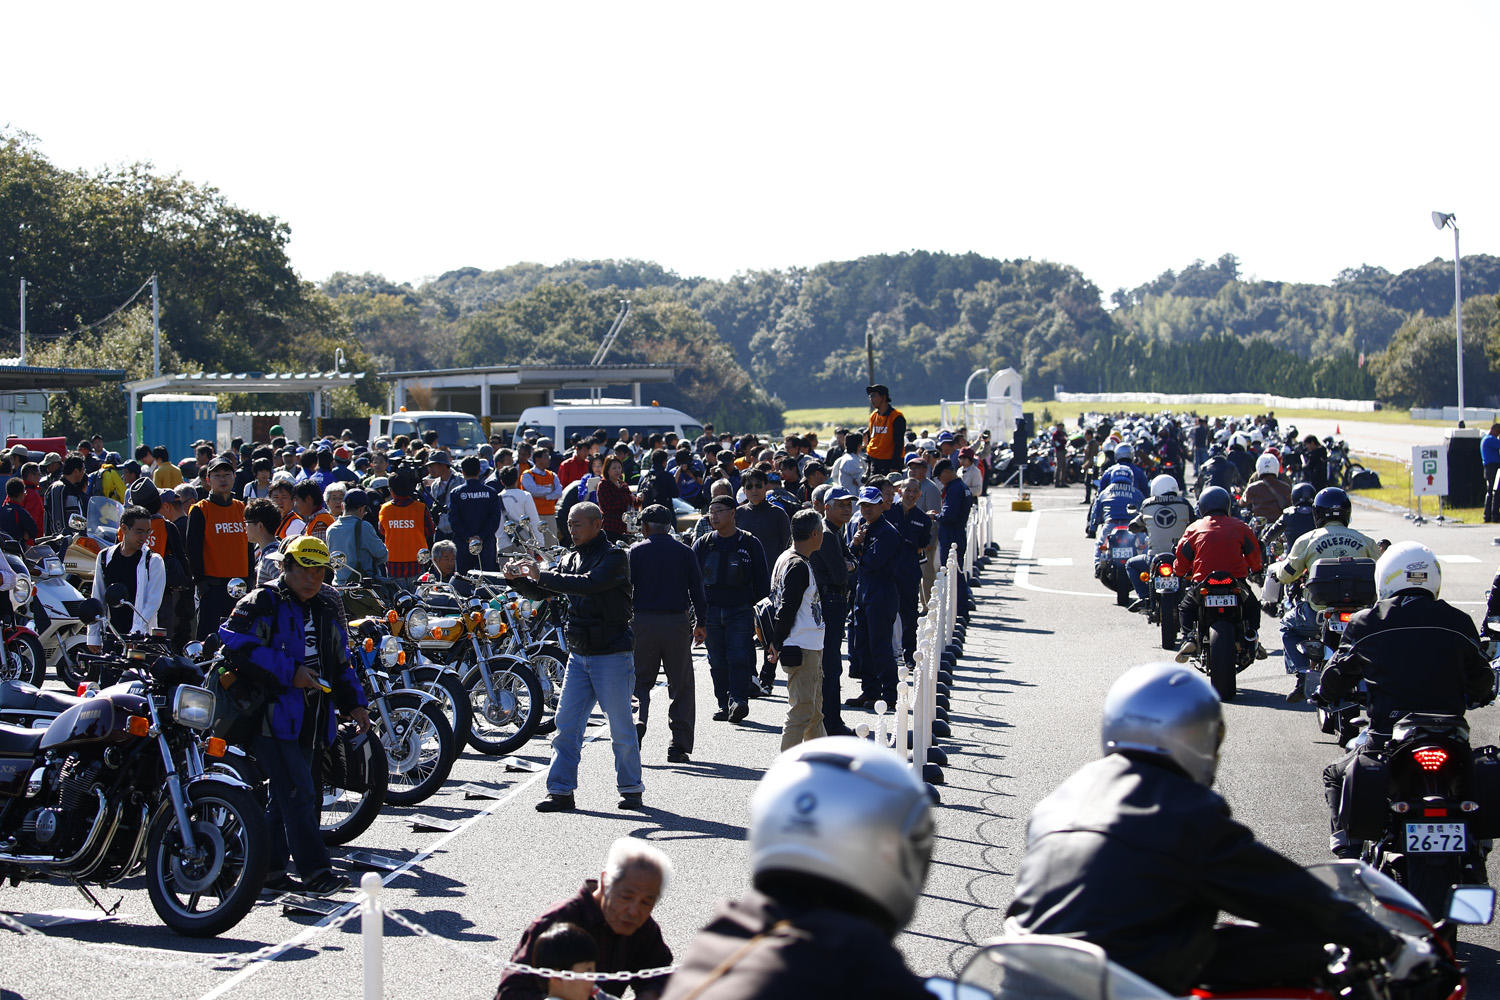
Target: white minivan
(459, 433)
(564, 419)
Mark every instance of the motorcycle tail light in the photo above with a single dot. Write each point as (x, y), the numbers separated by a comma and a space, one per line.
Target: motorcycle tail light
(1430, 813)
(83, 688)
(138, 725)
(215, 747)
(1345, 615)
(1165, 569)
(1430, 758)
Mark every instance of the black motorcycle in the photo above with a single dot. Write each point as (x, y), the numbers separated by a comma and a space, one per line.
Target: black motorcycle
(118, 783)
(1164, 592)
(1223, 650)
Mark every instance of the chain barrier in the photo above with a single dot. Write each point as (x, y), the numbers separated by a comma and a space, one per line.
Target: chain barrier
(234, 960)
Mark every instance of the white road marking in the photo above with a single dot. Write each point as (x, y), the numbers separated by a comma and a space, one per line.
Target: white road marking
(1054, 561)
(1456, 559)
(318, 928)
(1027, 537)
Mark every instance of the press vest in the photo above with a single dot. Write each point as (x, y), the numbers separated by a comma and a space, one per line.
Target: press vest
(157, 541)
(226, 553)
(319, 524)
(405, 529)
(882, 442)
(545, 506)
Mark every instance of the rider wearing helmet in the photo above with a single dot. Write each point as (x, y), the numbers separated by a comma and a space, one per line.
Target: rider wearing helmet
(1331, 539)
(840, 839)
(1125, 458)
(1163, 518)
(1239, 456)
(1216, 543)
(1296, 520)
(1117, 500)
(1136, 854)
(1268, 493)
(1218, 471)
(1414, 651)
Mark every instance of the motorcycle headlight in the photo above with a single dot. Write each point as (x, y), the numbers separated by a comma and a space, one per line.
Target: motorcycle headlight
(390, 649)
(416, 624)
(21, 591)
(193, 707)
(494, 621)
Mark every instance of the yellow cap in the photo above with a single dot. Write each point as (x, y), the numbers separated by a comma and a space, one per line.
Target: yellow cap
(306, 550)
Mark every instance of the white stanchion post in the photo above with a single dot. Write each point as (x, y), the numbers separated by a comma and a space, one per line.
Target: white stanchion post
(882, 725)
(372, 929)
(903, 705)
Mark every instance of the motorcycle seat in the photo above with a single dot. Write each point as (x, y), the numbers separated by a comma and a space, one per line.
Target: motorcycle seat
(18, 742)
(1419, 724)
(27, 697)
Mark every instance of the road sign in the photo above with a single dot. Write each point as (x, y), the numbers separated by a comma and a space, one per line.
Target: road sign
(1429, 470)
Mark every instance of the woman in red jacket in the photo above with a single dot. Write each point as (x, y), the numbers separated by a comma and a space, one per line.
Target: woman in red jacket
(615, 499)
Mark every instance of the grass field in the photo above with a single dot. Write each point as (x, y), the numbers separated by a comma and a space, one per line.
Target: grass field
(1395, 489)
(826, 418)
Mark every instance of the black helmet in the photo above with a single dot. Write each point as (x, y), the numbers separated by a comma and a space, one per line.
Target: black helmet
(1331, 504)
(1303, 494)
(1214, 500)
(143, 493)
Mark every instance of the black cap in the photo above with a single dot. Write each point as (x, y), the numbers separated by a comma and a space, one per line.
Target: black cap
(884, 390)
(356, 498)
(219, 463)
(723, 501)
(658, 514)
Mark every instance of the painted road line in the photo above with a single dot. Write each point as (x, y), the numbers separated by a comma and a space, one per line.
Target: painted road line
(1027, 538)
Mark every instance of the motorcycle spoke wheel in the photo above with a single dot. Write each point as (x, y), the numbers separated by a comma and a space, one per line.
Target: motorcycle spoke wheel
(505, 724)
(419, 751)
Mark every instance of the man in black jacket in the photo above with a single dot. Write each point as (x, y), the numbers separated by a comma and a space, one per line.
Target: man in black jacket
(1136, 854)
(669, 615)
(832, 565)
(773, 529)
(595, 576)
(735, 576)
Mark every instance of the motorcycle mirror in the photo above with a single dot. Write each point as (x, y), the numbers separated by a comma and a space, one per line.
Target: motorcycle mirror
(475, 546)
(1472, 904)
(90, 610)
(114, 594)
(235, 588)
(338, 560)
(424, 556)
(193, 650)
(76, 522)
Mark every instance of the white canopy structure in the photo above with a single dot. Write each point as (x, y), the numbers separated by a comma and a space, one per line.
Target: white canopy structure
(997, 412)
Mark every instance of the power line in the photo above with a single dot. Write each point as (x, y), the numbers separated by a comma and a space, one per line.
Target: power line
(87, 327)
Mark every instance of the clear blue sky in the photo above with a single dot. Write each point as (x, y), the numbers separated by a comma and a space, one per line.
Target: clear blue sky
(1124, 138)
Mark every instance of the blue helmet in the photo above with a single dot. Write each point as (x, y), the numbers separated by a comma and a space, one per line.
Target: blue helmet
(1214, 500)
(1122, 475)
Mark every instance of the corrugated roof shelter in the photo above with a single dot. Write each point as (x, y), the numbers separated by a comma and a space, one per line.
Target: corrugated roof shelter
(501, 392)
(313, 383)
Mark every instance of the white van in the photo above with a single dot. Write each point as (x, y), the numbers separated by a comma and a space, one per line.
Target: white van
(458, 433)
(564, 419)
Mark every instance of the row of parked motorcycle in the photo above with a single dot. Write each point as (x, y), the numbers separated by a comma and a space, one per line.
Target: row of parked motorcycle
(142, 769)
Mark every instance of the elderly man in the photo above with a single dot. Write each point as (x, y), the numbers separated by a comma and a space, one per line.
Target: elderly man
(595, 577)
(615, 910)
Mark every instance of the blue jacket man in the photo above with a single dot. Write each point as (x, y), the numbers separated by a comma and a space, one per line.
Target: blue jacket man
(474, 511)
(872, 653)
(915, 528)
(953, 524)
(288, 640)
(1118, 500)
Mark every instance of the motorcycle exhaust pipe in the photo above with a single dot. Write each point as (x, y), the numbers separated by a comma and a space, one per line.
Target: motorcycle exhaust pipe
(48, 861)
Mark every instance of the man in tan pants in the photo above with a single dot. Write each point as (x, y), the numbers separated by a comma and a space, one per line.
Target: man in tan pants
(798, 627)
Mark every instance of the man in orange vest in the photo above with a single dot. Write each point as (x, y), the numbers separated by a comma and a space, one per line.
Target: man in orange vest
(885, 438)
(407, 527)
(545, 487)
(217, 548)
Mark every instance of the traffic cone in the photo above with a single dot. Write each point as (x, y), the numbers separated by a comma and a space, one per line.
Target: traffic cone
(1337, 431)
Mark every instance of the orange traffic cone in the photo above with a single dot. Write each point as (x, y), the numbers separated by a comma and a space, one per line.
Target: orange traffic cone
(1336, 430)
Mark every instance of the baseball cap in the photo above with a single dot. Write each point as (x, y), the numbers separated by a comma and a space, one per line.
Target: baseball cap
(657, 514)
(884, 390)
(944, 436)
(53, 458)
(342, 454)
(440, 458)
(723, 501)
(912, 458)
(219, 463)
(19, 451)
(356, 498)
(966, 453)
(839, 493)
(307, 550)
(871, 494)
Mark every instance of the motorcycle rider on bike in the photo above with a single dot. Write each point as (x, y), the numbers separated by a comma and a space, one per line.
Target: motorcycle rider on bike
(1164, 518)
(1136, 854)
(1216, 543)
(1415, 653)
(1218, 471)
(1125, 459)
(1116, 501)
(1268, 493)
(1331, 539)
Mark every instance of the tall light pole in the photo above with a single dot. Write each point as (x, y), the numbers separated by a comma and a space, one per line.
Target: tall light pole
(1440, 220)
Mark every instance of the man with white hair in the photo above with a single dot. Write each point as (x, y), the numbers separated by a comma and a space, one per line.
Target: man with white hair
(615, 910)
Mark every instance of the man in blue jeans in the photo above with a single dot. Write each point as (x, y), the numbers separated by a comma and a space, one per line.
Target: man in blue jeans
(288, 639)
(595, 577)
(735, 576)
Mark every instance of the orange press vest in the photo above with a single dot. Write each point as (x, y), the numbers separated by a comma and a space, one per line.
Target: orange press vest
(405, 530)
(226, 553)
(545, 506)
(156, 541)
(319, 523)
(882, 443)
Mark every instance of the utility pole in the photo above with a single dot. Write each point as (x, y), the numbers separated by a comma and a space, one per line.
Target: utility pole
(870, 351)
(1458, 317)
(155, 330)
(23, 321)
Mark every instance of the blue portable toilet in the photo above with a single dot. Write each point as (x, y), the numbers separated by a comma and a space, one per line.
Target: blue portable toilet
(177, 421)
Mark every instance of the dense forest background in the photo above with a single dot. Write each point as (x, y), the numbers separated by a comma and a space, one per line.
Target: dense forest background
(746, 347)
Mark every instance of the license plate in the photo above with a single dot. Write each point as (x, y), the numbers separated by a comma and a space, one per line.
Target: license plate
(1122, 553)
(1337, 626)
(1220, 600)
(1167, 584)
(1435, 838)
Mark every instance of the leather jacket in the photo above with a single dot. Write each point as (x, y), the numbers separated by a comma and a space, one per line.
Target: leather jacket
(596, 579)
(1267, 496)
(1134, 856)
(1416, 654)
(1217, 544)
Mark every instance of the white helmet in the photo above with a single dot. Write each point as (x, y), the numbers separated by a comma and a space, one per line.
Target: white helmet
(1408, 566)
(843, 809)
(1123, 451)
(1162, 485)
(1267, 465)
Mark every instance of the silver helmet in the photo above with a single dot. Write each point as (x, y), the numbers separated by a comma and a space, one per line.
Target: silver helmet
(843, 809)
(1169, 711)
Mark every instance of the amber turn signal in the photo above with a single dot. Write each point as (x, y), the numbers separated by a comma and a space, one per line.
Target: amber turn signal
(215, 747)
(138, 725)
